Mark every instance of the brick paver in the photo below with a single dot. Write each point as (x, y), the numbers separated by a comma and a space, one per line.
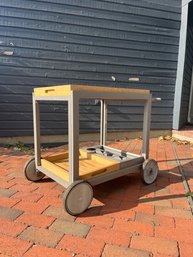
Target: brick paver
(41, 236)
(87, 246)
(58, 213)
(116, 251)
(31, 207)
(155, 220)
(9, 213)
(13, 246)
(134, 227)
(155, 245)
(70, 228)
(100, 221)
(4, 192)
(126, 217)
(36, 220)
(110, 236)
(11, 228)
(8, 202)
(42, 251)
(186, 249)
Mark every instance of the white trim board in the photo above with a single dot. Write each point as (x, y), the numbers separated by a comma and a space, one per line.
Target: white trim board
(185, 2)
(180, 67)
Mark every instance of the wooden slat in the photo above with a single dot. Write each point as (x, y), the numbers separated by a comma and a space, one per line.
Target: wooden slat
(65, 90)
(61, 173)
(89, 165)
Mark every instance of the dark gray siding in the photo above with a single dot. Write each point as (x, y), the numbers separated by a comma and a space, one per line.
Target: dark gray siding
(187, 69)
(95, 42)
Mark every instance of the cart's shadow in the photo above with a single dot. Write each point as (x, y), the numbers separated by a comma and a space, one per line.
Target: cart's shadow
(122, 196)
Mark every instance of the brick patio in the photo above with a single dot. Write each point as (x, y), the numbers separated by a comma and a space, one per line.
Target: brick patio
(126, 218)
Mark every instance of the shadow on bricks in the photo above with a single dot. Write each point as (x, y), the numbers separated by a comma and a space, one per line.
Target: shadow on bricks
(126, 196)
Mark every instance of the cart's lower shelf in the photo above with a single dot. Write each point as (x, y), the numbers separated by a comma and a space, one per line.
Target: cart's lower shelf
(89, 165)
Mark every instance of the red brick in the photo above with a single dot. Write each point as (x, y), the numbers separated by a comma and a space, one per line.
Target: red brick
(99, 221)
(157, 201)
(155, 245)
(186, 249)
(58, 187)
(118, 213)
(41, 236)
(176, 188)
(36, 220)
(11, 228)
(183, 223)
(134, 227)
(181, 203)
(4, 255)
(4, 178)
(31, 207)
(5, 171)
(24, 188)
(175, 234)
(155, 220)
(41, 251)
(173, 212)
(110, 236)
(27, 196)
(52, 201)
(21, 181)
(13, 246)
(190, 180)
(6, 184)
(120, 193)
(49, 192)
(146, 196)
(117, 251)
(81, 245)
(8, 202)
(137, 207)
(106, 202)
(162, 255)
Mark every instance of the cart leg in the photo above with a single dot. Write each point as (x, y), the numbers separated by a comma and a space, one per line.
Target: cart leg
(36, 124)
(146, 127)
(73, 137)
(103, 125)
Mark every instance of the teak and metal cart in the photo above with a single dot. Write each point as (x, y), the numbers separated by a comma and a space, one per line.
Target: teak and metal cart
(79, 169)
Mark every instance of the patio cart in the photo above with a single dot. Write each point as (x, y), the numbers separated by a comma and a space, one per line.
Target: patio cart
(80, 169)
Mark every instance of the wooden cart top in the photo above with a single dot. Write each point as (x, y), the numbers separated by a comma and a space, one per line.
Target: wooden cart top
(65, 90)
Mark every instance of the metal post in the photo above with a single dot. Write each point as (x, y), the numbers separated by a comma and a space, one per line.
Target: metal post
(36, 124)
(103, 124)
(73, 136)
(146, 127)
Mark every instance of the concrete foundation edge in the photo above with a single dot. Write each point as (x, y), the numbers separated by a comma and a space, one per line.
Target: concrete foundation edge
(49, 139)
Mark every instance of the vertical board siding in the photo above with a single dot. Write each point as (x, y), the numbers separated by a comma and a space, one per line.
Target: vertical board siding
(104, 43)
(187, 70)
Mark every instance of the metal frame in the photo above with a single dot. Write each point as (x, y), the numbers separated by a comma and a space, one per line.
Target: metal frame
(103, 127)
(73, 132)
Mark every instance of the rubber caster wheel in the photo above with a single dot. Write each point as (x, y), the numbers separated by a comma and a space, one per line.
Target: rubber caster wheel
(149, 171)
(31, 173)
(77, 197)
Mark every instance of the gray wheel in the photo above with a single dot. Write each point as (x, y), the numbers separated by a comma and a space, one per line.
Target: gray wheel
(77, 197)
(149, 171)
(31, 173)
